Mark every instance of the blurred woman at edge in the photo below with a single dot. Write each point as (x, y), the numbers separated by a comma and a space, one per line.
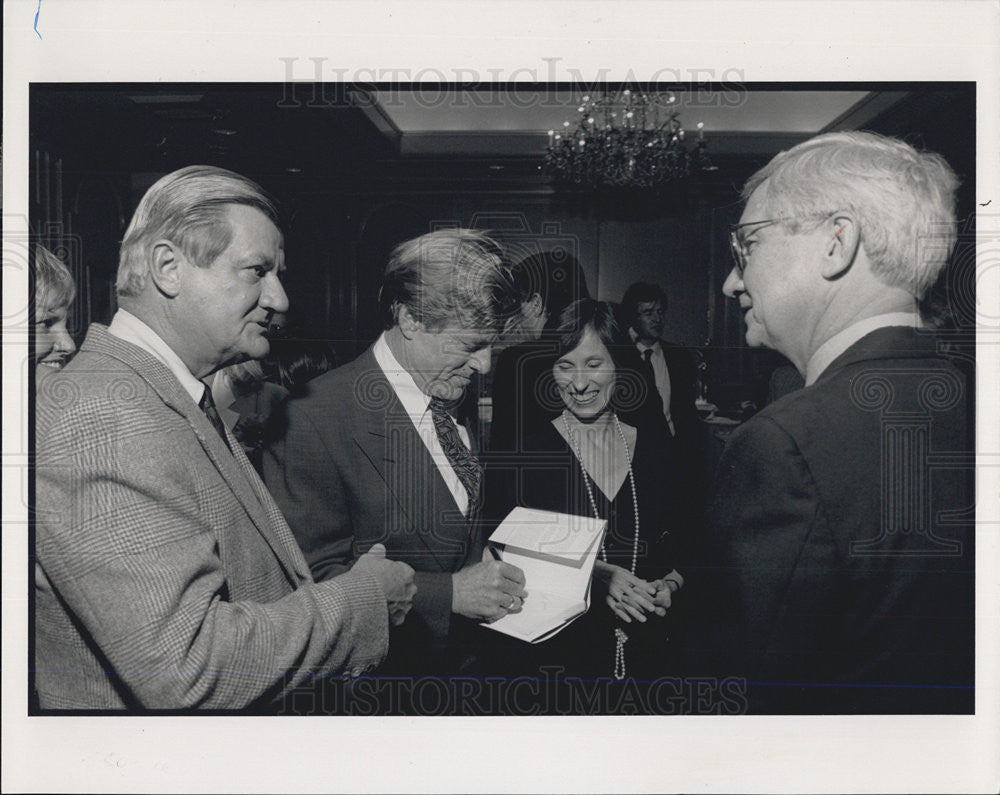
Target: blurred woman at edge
(51, 344)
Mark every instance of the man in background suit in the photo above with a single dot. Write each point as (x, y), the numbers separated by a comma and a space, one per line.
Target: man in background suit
(374, 454)
(841, 524)
(673, 371)
(165, 575)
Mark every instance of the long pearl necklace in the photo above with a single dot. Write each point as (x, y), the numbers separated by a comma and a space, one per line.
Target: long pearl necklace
(620, 637)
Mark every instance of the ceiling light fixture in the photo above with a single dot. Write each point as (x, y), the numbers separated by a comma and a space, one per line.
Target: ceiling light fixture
(625, 140)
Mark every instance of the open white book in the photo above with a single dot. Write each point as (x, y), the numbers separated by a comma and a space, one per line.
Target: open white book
(556, 552)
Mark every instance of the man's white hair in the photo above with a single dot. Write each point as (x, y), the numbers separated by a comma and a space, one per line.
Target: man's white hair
(903, 200)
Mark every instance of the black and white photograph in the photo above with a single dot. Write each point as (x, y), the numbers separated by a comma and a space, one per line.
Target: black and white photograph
(608, 404)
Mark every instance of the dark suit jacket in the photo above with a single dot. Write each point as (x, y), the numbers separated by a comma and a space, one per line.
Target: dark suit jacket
(683, 393)
(350, 472)
(260, 419)
(686, 445)
(841, 540)
(165, 575)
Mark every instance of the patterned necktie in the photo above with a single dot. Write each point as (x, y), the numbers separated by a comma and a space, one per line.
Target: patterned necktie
(466, 465)
(207, 405)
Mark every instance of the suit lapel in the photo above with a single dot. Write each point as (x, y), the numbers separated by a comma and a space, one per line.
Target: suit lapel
(234, 467)
(389, 440)
(284, 545)
(241, 477)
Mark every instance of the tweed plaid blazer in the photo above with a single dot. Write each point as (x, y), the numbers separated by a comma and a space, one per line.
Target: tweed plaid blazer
(165, 575)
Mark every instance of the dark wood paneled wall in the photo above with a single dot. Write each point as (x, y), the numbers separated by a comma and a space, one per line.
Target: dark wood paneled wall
(340, 227)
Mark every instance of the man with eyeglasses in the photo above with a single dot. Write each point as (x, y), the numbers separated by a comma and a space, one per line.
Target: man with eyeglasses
(839, 554)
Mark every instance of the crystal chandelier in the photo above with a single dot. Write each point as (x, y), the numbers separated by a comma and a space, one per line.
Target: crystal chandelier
(627, 141)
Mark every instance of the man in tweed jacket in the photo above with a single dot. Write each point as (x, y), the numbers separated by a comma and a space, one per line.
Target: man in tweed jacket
(165, 575)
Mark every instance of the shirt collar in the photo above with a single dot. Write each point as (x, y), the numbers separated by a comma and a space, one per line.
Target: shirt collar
(841, 341)
(642, 346)
(128, 327)
(224, 397)
(414, 400)
(222, 389)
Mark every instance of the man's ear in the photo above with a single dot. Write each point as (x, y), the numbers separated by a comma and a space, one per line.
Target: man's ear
(164, 267)
(842, 247)
(407, 323)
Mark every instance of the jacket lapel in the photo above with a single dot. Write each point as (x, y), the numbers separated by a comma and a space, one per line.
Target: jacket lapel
(390, 442)
(284, 545)
(234, 467)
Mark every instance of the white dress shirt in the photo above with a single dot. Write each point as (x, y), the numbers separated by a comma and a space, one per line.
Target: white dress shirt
(418, 407)
(128, 327)
(660, 373)
(224, 397)
(841, 341)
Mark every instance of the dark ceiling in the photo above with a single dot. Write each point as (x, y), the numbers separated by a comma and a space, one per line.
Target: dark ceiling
(281, 133)
(244, 127)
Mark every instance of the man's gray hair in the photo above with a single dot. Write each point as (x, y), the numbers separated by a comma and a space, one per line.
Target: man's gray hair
(904, 200)
(452, 277)
(187, 207)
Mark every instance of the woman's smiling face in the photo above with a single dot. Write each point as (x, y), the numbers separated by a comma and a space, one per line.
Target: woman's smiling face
(586, 377)
(52, 345)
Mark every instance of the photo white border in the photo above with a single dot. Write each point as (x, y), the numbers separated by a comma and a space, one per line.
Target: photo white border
(192, 40)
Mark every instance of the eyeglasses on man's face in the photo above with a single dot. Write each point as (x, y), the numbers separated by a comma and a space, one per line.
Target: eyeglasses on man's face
(737, 240)
(738, 234)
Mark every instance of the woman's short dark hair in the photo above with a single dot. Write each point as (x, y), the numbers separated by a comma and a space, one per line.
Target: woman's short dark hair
(631, 388)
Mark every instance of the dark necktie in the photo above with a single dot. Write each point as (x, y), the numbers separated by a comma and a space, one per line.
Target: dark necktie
(647, 361)
(207, 405)
(466, 465)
